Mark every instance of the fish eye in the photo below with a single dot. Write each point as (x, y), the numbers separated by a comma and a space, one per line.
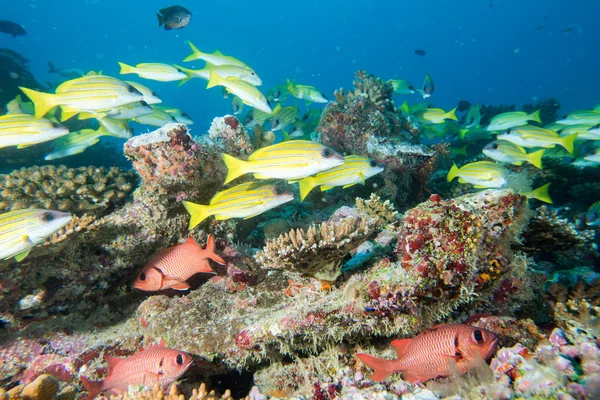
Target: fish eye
(55, 125)
(252, 73)
(131, 89)
(327, 153)
(478, 336)
(494, 146)
(373, 164)
(47, 217)
(179, 359)
(142, 276)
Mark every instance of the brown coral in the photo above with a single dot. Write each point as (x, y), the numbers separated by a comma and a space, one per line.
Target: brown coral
(77, 224)
(45, 387)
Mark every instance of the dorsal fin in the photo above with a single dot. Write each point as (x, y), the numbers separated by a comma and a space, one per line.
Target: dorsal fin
(112, 362)
(400, 346)
(217, 52)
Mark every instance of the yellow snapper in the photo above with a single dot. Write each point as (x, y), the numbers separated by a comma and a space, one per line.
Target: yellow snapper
(590, 134)
(436, 115)
(306, 92)
(283, 116)
(156, 118)
(473, 117)
(581, 117)
(116, 127)
(356, 169)
(242, 201)
(180, 116)
(88, 93)
(568, 130)
(507, 152)
(481, 174)
(294, 159)
(128, 111)
(402, 87)
(75, 143)
(249, 94)
(24, 130)
(21, 230)
(154, 71)
(150, 96)
(18, 106)
(511, 119)
(224, 71)
(540, 194)
(215, 58)
(474, 134)
(237, 106)
(534, 136)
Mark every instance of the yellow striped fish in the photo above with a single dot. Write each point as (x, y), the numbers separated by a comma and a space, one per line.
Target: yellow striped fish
(224, 71)
(436, 115)
(154, 71)
(293, 159)
(75, 143)
(581, 117)
(21, 230)
(150, 96)
(283, 116)
(24, 130)
(306, 92)
(402, 87)
(481, 174)
(511, 119)
(249, 94)
(356, 169)
(88, 93)
(180, 116)
(507, 152)
(242, 201)
(128, 111)
(215, 58)
(534, 136)
(116, 127)
(156, 118)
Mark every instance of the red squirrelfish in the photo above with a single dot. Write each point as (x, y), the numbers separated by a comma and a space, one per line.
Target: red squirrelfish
(154, 365)
(171, 267)
(430, 354)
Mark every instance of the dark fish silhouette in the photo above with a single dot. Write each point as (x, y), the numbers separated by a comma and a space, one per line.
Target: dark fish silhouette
(420, 52)
(12, 28)
(174, 17)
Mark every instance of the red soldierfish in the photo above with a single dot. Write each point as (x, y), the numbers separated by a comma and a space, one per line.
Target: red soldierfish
(154, 365)
(430, 354)
(171, 267)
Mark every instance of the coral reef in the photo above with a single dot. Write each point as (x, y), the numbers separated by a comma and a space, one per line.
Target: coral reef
(77, 190)
(548, 110)
(364, 121)
(14, 72)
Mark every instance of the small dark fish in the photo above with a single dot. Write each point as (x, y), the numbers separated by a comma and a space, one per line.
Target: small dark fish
(572, 28)
(539, 27)
(420, 52)
(174, 17)
(12, 28)
(463, 105)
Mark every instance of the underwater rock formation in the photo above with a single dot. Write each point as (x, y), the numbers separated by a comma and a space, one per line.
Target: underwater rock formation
(364, 121)
(14, 72)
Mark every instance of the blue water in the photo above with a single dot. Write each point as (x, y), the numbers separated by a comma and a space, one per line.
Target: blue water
(494, 52)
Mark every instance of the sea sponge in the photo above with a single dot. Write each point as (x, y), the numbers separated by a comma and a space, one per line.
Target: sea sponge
(45, 387)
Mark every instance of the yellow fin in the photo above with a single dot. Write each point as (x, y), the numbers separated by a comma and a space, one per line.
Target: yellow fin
(568, 142)
(306, 185)
(215, 80)
(235, 167)
(42, 102)
(535, 158)
(451, 114)
(67, 112)
(195, 53)
(198, 213)
(350, 184)
(535, 116)
(540, 194)
(20, 256)
(126, 69)
(326, 187)
(452, 173)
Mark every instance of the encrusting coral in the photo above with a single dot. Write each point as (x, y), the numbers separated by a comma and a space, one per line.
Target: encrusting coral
(76, 190)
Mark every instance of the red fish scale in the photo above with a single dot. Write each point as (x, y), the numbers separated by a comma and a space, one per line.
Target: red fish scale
(134, 370)
(181, 262)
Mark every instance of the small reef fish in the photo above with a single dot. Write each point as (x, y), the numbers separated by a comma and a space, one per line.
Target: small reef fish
(180, 116)
(224, 71)
(593, 158)
(156, 118)
(174, 17)
(242, 201)
(507, 152)
(12, 28)
(88, 93)
(150, 96)
(154, 71)
(428, 87)
(430, 354)
(69, 73)
(473, 117)
(117, 128)
(215, 58)
(534, 136)
(306, 92)
(474, 134)
(173, 266)
(75, 143)
(18, 106)
(152, 366)
(511, 119)
(21, 230)
(283, 116)
(420, 52)
(436, 115)
(237, 106)
(126, 112)
(402, 87)
(592, 215)
(356, 169)
(590, 134)
(24, 130)
(294, 159)
(581, 117)
(277, 93)
(312, 114)
(481, 174)
(248, 93)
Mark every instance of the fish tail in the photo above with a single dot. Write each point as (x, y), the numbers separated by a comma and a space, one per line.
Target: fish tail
(195, 53)
(535, 158)
(215, 80)
(198, 213)
(161, 20)
(126, 69)
(235, 167)
(210, 250)
(93, 387)
(452, 173)
(540, 194)
(462, 133)
(405, 107)
(187, 72)
(52, 69)
(43, 102)
(382, 367)
(568, 142)
(451, 114)
(306, 185)
(535, 116)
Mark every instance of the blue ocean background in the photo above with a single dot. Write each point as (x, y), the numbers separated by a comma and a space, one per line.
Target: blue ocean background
(490, 52)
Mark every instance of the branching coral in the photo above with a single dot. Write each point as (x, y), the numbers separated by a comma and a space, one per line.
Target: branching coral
(85, 189)
(77, 224)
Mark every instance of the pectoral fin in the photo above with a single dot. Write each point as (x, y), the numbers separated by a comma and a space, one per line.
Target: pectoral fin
(20, 256)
